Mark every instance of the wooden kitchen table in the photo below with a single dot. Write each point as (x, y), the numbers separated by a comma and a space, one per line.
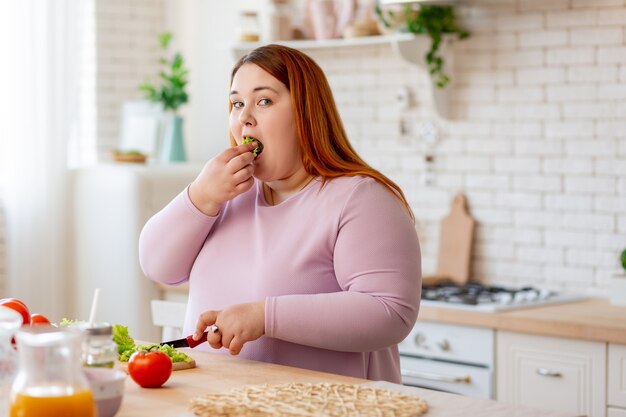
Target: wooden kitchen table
(215, 372)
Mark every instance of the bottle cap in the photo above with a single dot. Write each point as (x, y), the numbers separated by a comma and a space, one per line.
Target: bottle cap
(96, 329)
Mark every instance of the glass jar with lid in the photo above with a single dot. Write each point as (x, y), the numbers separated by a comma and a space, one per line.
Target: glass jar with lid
(275, 20)
(248, 29)
(99, 349)
(50, 380)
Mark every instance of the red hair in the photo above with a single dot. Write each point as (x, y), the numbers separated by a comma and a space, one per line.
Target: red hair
(326, 151)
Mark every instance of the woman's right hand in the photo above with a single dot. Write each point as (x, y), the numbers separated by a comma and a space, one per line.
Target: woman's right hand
(223, 178)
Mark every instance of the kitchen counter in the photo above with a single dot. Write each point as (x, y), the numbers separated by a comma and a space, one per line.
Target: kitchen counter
(217, 372)
(593, 319)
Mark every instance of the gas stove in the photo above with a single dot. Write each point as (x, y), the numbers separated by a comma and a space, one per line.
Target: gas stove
(479, 297)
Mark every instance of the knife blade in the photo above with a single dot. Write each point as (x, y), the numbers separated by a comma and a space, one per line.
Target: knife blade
(189, 342)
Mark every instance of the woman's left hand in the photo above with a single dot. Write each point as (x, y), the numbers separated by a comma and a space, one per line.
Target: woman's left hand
(237, 325)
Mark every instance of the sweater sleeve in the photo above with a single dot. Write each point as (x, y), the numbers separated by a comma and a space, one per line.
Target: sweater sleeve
(171, 240)
(377, 264)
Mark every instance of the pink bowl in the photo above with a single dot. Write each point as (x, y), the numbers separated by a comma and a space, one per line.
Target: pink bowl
(107, 386)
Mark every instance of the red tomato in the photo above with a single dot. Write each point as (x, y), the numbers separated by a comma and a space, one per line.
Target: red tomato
(38, 319)
(18, 306)
(150, 369)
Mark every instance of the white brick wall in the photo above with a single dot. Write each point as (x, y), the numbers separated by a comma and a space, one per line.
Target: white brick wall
(538, 143)
(127, 52)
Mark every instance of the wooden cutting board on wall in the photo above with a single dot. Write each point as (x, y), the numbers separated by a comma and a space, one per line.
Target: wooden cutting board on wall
(455, 244)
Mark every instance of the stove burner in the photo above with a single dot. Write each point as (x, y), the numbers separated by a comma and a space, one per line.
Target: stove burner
(474, 293)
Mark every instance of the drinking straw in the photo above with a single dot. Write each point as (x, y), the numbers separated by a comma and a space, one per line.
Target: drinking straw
(94, 306)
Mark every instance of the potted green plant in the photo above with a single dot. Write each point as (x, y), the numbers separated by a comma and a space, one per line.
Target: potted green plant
(618, 282)
(171, 94)
(432, 20)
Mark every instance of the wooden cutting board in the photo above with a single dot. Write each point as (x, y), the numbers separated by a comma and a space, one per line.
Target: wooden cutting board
(455, 244)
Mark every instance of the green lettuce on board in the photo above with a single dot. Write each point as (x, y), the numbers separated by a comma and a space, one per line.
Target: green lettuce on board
(126, 346)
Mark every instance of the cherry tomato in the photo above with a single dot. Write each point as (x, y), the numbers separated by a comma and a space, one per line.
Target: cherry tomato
(18, 306)
(150, 369)
(38, 319)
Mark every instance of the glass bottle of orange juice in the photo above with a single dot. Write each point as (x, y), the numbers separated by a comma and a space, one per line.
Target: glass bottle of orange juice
(50, 381)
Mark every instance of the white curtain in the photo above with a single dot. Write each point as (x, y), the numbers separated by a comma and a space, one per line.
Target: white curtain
(39, 70)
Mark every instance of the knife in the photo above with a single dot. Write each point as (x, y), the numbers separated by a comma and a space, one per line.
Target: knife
(189, 342)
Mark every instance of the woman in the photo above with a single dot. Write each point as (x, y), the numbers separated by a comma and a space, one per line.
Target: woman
(304, 256)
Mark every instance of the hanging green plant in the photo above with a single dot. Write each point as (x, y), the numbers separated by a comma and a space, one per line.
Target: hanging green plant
(623, 259)
(171, 92)
(435, 21)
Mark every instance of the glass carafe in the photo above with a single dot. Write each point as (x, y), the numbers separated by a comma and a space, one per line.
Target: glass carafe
(10, 321)
(50, 381)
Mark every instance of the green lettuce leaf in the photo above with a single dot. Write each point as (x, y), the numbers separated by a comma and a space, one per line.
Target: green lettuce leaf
(122, 338)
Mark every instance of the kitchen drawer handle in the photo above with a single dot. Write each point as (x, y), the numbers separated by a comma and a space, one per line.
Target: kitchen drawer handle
(547, 372)
(436, 377)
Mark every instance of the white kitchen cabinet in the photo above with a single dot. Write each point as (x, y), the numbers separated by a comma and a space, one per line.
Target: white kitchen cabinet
(112, 202)
(551, 373)
(616, 394)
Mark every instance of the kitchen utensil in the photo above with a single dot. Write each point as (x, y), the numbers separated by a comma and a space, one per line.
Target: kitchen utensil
(186, 342)
(189, 342)
(455, 244)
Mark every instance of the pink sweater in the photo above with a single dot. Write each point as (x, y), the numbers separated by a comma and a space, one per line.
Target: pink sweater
(339, 270)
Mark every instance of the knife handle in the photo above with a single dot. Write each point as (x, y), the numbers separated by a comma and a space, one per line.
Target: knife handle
(193, 343)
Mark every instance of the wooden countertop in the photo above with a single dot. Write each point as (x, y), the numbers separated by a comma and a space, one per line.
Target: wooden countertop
(217, 372)
(594, 319)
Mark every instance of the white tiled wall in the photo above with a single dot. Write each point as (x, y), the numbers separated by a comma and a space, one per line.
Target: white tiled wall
(537, 139)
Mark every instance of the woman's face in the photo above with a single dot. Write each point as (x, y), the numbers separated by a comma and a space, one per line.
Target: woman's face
(262, 109)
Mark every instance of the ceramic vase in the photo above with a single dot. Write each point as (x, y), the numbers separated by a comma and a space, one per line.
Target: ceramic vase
(173, 142)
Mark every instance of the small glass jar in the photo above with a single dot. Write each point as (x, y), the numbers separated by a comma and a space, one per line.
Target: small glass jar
(249, 26)
(275, 20)
(99, 349)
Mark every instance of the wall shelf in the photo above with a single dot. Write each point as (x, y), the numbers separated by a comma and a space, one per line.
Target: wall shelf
(410, 47)
(243, 47)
